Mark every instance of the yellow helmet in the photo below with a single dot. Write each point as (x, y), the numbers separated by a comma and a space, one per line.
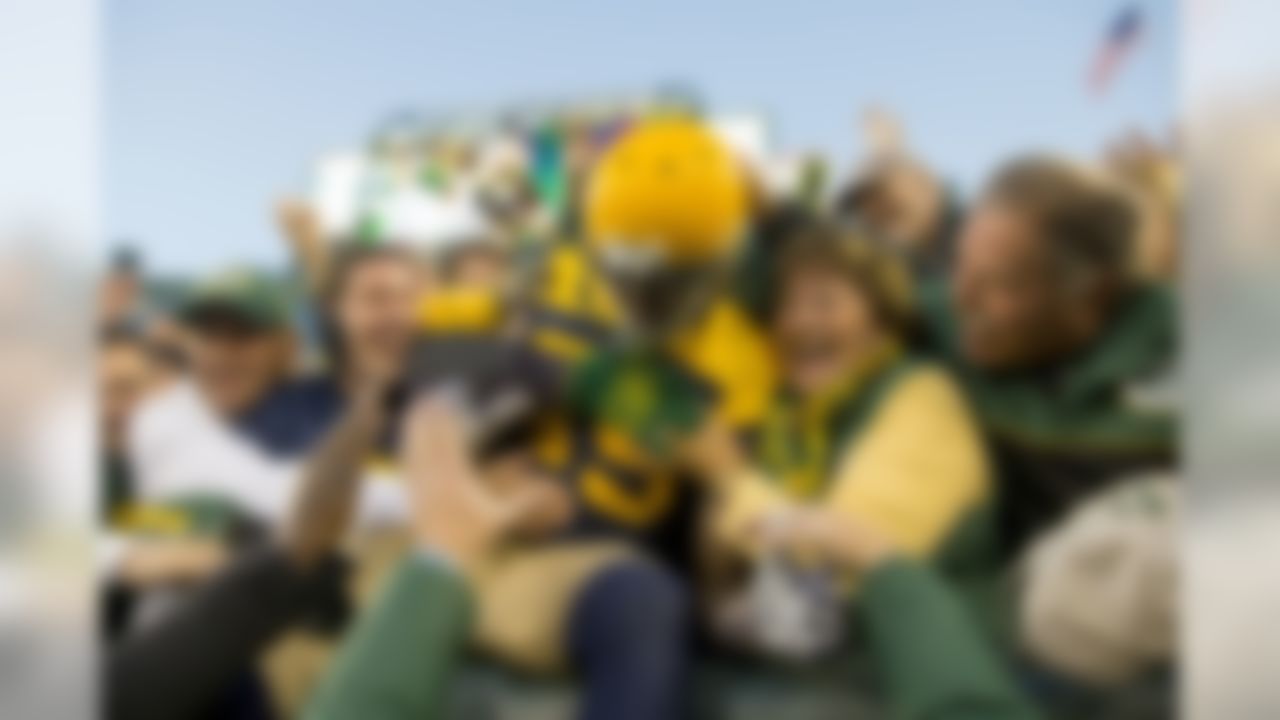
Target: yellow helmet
(668, 187)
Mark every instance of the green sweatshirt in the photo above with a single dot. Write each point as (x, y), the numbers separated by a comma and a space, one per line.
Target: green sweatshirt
(934, 662)
(398, 661)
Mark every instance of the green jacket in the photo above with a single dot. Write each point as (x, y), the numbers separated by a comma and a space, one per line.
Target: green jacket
(1061, 432)
(399, 660)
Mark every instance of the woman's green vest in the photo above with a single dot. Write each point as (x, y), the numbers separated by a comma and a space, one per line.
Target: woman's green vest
(801, 440)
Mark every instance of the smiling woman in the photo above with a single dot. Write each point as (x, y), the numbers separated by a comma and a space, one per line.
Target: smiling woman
(854, 400)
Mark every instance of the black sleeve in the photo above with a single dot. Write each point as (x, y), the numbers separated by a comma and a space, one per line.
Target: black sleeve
(178, 667)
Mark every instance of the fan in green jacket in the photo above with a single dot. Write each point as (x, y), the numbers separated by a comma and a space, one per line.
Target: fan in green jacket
(1067, 359)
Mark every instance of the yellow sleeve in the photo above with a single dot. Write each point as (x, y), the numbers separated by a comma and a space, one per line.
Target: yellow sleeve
(462, 310)
(738, 503)
(728, 350)
(917, 468)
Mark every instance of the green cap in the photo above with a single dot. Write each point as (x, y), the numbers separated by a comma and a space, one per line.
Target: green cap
(240, 295)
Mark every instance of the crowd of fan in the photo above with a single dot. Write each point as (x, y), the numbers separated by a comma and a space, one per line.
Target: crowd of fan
(995, 494)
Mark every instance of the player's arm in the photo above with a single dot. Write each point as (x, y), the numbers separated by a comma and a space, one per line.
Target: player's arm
(934, 661)
(398, 661)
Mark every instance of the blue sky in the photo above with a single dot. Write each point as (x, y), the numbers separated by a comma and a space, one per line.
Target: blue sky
(214, 108)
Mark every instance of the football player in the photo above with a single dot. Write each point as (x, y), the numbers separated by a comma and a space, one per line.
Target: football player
(646, 343)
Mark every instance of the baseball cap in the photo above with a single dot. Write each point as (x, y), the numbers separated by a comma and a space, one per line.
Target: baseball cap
(239, 295)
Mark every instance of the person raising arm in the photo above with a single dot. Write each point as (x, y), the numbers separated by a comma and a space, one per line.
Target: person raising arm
(399, 658)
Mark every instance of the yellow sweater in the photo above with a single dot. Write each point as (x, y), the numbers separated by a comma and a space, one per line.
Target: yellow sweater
(916, 468)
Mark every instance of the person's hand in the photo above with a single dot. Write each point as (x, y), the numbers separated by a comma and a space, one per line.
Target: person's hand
(298, 222)
(548, 513)
(301, 228)
(828, 536)
(1138, 158)
(713, 451)
(453, 511)
(882, 133)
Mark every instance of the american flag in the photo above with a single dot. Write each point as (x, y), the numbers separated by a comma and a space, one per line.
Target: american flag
(1122, 35)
